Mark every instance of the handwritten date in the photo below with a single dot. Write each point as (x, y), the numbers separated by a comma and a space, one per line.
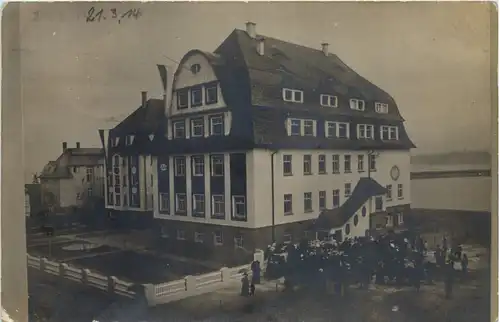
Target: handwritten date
(97, 15)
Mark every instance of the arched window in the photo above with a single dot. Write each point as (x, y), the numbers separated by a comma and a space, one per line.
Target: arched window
(356, 219)
(347, 229)
(117, 179)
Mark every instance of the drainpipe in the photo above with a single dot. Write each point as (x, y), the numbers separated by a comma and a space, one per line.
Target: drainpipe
(273, 227)
(371, 154)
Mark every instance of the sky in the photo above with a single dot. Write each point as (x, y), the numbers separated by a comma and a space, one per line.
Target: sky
(78, 76)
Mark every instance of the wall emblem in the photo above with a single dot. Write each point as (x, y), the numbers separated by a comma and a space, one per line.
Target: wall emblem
(134, 190)
(163, 167)
(395, 173)
(134, 170)
(151, 137)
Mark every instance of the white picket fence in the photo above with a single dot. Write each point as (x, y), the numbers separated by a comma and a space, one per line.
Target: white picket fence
(84, 276)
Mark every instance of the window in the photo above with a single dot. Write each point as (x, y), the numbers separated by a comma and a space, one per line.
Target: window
(307, 164)
(239, 207)
(293, 95)
(389, 192)
(400, 218)
(308, 128)
(180, 202)
(347, 190)
(347, 229)
(308, 202)
(129, 139)
(287, 165)
(196, 97)
(75, 169)
(322, 164)
(388, 221)
(180, 166)
(89, 192)
(347, 163)
(78, 196)
(218, 238)
(164, 202)
(238, 241)
(366, 131)
(294, 127)
(389, 133)
(217, 125)
(322, 200)
(287, 237)
(373, 162)
(355, 220)
(357, 104)
(198, 165)
(379, 203)
(179, 129)
(361, 163)
(181, 234)
(218, 206)
(211, 95)
(197, 127)
(198, 237)
(381, 108)
(336, 198)
(287, 204)
(198, 204)
(400, 191)
(328, 100)
(335, 163)
(339, 130)
(182, 99)
(217, 165)
(90, 174)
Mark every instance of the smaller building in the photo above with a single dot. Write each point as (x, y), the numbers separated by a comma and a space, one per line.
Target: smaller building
(75, 178)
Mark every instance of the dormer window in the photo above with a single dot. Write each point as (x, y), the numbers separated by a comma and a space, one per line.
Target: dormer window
(293, 95)
(294, 127)
(328, 100)
(357, 104)
(217, 125)
(196, 97)
(301, 127)
(366, 131)
(197, 127)
(179, 129)
(129, 139)
(182, 99)
(389, 133)
(308, 128)
(339, 130)
(381, 108)
(211, 94)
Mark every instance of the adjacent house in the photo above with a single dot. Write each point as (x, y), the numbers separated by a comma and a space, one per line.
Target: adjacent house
(263, 140)
(74, 178)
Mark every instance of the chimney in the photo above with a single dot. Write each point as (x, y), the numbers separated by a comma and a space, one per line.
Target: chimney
(251, 29)
(324, 47)
(260, 46)
(77, 145)
(144, 98)
(65, 146)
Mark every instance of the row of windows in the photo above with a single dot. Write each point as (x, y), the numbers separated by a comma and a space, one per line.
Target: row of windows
(217, 237)
(198, 165)
(341, 130)
(197, 126)
(197, 96)
(335, 164)
(218, 208)
(322, 199)
(327, 100)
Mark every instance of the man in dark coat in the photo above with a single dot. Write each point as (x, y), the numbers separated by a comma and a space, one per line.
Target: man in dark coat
(245, 285)
(449, 279)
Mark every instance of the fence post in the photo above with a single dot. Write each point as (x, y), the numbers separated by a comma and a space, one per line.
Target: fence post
(43, 263)
(85, 276)
(190, 284)
(112, 280)
(62, 269)
(225, 274)
(150, 293)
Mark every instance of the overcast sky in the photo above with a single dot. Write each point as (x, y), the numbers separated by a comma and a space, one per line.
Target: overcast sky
(433, 58)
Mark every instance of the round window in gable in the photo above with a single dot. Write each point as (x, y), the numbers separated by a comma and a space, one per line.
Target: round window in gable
(347, 229)
(195, 68)
(355, 220)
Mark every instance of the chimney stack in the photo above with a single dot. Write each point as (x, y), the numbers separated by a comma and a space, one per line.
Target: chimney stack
(324, 47)
(260, 46)
(144, 98)
(65, 146)
(251, 29)
(77, 145)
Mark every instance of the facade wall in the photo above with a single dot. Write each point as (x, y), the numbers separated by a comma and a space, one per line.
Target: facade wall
(259, 183)
(75, 191)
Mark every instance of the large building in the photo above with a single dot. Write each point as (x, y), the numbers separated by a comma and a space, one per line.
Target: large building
(263, 140)
(74, 178)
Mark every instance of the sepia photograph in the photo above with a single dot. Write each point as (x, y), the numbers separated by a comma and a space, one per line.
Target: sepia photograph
(271, 161)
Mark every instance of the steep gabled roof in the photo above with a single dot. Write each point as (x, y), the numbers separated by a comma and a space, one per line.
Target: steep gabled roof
(72, 157)
(365, 189)
(144, 120)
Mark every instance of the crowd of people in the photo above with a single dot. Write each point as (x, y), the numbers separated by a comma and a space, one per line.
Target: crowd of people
(392, 258)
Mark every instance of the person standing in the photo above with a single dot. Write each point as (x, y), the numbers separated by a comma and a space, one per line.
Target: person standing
(245, 285)
(449, 280)
(465, 263)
